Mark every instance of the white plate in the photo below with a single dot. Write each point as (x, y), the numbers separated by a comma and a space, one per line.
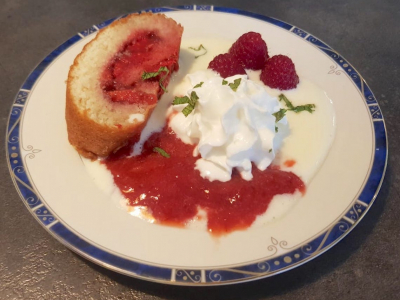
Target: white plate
(54, 185)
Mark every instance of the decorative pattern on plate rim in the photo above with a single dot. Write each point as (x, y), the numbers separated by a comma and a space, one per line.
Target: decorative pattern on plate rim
(268, 266)
(194, 276)
(299, 32)
(334, 70)
(88, 31)
(21, 97)
(16, 160)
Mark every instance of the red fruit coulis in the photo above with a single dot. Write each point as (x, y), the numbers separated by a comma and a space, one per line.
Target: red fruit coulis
(173, 190)
(289, 163)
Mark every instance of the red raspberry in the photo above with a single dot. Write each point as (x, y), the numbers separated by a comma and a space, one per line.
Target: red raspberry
(226, 65)
(279, 73)
(250, 50)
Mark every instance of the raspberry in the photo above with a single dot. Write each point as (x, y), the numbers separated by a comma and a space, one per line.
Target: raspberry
(279, 73)
(250, 50)
(226, 65)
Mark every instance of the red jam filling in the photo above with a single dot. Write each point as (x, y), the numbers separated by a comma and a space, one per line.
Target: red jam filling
(145, 51)
(173, 190)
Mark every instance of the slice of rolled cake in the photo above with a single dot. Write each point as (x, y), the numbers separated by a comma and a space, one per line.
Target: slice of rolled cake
(110, 93)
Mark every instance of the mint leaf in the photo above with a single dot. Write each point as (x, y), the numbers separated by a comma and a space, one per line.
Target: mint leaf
(198, 85)
(235, 84)
(308, 107)
(148, 75)
(279, 114)
(191, 102)
(180, 100)
(198, 49)
(193, 98)
(289, 104)
(161, 151)
(187, 110)
(290, 107)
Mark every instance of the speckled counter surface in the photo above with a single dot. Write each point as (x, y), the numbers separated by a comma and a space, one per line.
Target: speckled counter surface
(365, 265)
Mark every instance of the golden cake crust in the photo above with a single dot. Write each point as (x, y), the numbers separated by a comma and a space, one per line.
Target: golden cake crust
(89, 137)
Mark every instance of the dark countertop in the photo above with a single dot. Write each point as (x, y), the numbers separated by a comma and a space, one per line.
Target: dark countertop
(365, 265)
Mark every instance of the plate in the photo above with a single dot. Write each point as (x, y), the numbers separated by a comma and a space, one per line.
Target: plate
(55, 187)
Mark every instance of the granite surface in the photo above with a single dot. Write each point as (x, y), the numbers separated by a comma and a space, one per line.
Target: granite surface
(365, 265)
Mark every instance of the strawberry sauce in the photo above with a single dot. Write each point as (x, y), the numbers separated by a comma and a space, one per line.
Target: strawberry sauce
(173, 190)
(289, 163)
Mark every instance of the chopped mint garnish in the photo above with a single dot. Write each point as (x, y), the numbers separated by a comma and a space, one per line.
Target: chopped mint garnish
(187, 110)
(148, 75)
(289, 104)
(191, 102)
(307, 107)
(224, 82)
(276, 128)
(161, 151)
(270, 150)
(193, 98)
(180, 100)
(290, 107)
(198, 85)
(235, 84)
(279, 114)
(198, 49)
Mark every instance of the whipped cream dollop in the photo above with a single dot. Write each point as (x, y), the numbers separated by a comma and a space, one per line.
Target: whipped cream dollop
(230, 128)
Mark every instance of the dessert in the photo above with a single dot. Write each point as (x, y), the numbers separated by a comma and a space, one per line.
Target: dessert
(116, 81)
(212, 154)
